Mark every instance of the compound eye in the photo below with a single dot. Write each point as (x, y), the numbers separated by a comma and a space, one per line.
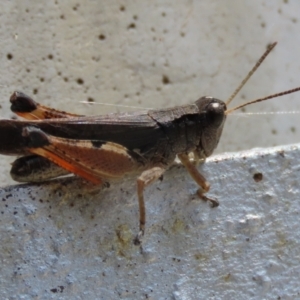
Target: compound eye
(216, 112)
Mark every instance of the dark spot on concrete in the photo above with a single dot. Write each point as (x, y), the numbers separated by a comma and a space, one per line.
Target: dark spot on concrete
(59, 289)
(165, 79)
(131, 26)
(258, 177)
(281, 153)
(80, 81)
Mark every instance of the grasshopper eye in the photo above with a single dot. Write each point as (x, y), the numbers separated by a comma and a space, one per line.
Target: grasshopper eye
(215, 112)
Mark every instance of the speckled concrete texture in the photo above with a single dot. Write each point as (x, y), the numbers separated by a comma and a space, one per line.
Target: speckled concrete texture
(58, 241)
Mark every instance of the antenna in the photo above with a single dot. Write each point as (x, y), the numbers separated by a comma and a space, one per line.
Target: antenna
(270, 48)
(228, 111)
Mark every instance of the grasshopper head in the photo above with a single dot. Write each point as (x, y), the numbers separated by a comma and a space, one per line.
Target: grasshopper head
(212, 118)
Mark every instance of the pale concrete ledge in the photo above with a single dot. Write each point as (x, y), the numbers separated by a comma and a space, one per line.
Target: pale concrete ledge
(57, 244)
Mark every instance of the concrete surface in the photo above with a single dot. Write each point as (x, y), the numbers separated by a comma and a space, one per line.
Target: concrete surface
(58, 242)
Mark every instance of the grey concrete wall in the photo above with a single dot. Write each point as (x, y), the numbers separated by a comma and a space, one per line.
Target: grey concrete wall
(154, 54)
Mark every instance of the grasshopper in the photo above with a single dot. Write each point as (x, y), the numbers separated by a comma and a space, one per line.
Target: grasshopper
(52, 143)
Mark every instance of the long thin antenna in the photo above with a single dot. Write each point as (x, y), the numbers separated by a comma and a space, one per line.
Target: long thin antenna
(228, 111)
(270, 48)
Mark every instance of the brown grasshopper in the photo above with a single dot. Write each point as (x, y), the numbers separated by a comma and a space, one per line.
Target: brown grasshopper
(101, 148)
